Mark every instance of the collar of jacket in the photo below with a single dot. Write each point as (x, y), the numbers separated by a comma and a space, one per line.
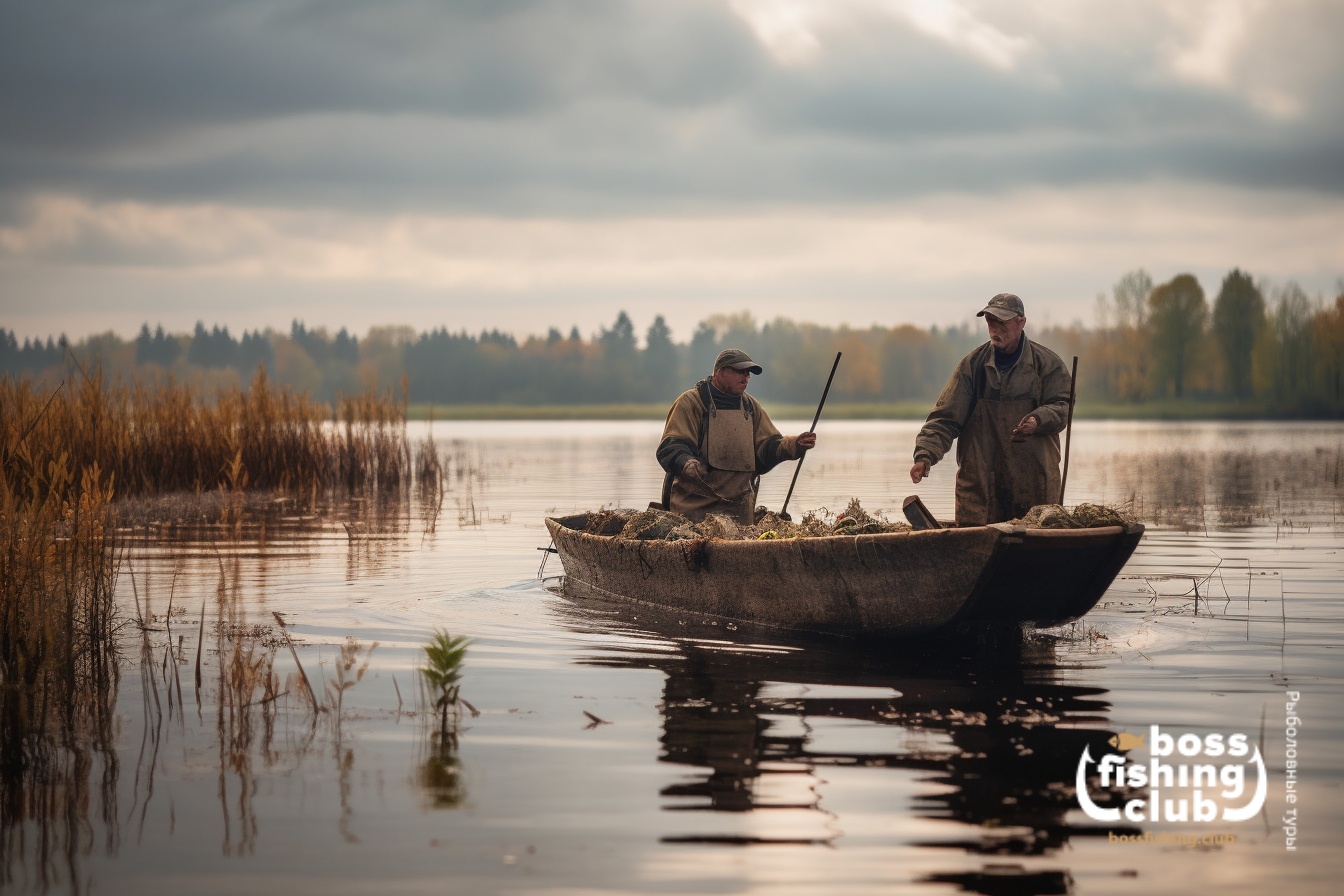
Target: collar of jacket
(722, 400)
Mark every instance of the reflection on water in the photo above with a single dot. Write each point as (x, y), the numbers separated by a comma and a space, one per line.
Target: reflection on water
(993, 732)
(1231, 489)
(1214, 477)
(58, 784)
(209, 686)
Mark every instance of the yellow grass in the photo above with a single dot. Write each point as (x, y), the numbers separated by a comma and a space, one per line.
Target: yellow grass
(67, 454)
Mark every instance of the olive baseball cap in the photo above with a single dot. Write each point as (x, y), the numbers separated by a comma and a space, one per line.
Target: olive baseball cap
(1004, 306)
(738, 360)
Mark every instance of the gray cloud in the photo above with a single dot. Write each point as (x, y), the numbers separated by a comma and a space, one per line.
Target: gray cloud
(87, 70)
(536, 107)
(477, 163)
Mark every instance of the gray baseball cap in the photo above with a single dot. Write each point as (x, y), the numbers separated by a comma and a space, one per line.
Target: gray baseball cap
(1004, 306)
(738, 360)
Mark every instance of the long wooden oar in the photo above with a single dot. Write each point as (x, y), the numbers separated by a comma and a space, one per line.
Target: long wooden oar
(784, 511)
(1068, 429)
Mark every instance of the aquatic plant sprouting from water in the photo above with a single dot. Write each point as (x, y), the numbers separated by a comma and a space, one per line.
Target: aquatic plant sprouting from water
(442, 677)
(349, 672)
(433, 481)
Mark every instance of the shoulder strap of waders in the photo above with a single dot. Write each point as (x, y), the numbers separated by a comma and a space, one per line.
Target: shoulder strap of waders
(708, 401)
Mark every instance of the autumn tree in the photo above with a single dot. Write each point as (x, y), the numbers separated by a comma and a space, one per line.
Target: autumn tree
(1176, 314)
(1131, 293)
(1128, 353)
(1238, 316)
(1328, 342)
(1290, 358)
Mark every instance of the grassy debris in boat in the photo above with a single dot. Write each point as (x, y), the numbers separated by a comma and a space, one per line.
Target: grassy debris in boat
(661, 525)
(1084, 516)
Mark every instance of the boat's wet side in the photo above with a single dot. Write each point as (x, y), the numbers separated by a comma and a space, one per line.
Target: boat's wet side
(896, 584)
(892, 585)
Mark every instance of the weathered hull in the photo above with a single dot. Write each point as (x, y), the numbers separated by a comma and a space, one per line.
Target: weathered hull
(1047, 577)
(887, 585)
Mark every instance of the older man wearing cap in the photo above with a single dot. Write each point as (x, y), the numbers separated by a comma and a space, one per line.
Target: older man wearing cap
(1005, 406)
(717, 442)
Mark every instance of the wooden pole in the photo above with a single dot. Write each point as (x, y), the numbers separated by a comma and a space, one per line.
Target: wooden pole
(1068, 429)
(784, 511)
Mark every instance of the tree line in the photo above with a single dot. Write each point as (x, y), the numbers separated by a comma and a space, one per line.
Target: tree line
(1279, 354)
(1273, 350)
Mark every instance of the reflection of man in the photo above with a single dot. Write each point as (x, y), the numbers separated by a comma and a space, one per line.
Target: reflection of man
(718, 441)
(1005, 406)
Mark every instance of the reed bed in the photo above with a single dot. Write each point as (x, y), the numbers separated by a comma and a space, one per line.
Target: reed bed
(166, 437)
(69, 455)
(58, 663)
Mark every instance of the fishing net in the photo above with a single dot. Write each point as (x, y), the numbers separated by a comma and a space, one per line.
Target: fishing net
(665, 526)
(1084, 516)
(661, 525)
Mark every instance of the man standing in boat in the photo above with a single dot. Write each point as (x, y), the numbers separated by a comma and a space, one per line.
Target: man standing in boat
(717, 442)
(1005, 406)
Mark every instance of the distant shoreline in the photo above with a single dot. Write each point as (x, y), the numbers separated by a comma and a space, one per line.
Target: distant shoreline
(1165, 410)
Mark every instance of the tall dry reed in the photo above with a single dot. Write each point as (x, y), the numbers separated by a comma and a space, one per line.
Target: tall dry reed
(167, 437)
(58, 665)
(65, 454)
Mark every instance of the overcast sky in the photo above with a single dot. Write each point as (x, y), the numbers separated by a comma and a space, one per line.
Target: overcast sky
(522, 164)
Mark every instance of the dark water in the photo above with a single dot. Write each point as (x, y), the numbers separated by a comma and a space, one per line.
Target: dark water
(615, 749)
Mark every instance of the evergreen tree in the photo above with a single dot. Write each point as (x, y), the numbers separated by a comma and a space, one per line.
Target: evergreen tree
(11, 362)
(212, 348)
(660, 360)
(314, 342)
(255, 350)
(157, 347)
(703, 350)
(346, 348)
(618, 343)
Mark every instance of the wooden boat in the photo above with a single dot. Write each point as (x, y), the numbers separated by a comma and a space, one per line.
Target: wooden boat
(893, 584)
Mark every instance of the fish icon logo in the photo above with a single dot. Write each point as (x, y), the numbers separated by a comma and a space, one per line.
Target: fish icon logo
(1124, 741)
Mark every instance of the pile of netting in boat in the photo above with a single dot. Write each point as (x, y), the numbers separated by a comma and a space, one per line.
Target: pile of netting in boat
(1084, 516)
(662, 525)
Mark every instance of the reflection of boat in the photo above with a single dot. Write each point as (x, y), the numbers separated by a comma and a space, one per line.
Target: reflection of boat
(886, 584)
(783, 740)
